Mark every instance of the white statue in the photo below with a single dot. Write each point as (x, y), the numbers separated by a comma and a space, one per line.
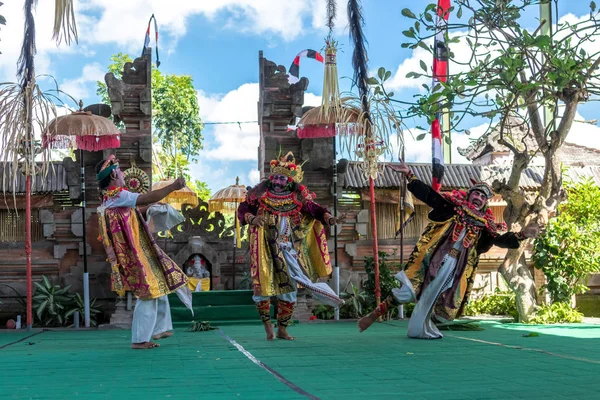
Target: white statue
(196, 268)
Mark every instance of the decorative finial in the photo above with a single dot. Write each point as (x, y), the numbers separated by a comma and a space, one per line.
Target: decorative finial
(80, 105)
(237, 180)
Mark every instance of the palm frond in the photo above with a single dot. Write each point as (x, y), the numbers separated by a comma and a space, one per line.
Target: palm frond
(331, 14)
(25, 63)
(359, 56)
(65, 27)
(367, 134)
(23, 113)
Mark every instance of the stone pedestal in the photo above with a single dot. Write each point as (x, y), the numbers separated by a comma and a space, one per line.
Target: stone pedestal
(121, 317)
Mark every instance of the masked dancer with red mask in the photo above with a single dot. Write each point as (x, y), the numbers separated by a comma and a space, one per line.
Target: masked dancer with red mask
(288, 246)
(440, 271)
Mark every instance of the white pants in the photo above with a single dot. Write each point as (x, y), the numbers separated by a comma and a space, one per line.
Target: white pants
(150, 317)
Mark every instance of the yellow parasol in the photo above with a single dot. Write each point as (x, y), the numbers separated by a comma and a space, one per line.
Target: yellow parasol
(179, 197)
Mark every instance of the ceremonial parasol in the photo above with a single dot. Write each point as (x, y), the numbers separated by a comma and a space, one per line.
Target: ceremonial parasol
(179, 197)
(226, 201)
(82, 130)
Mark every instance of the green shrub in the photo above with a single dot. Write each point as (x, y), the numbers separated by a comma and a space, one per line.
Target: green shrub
(556, 313)
(386, 278)
(498, 303)
(569, 249)
(323, 311)
(356, 303)
(53, 305)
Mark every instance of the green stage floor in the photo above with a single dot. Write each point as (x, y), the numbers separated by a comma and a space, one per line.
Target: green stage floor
(328, 361)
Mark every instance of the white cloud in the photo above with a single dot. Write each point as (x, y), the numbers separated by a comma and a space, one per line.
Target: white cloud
(78, 88)
(419, 151)
(253, 177)
(584, 134)
(233, 141)
(285, 19)
(123, 23)
(12, 38)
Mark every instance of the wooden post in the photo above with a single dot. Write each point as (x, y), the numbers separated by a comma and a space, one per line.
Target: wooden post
(28, 250)
(375, 243)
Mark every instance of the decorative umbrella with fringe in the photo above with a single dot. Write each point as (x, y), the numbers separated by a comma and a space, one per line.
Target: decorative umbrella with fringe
(226, 201)
(82, 130)
(179, 197)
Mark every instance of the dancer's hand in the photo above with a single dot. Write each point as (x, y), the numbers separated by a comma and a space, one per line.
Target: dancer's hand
(402, 168)
(330, 220)
(178, 184)
(259, 221)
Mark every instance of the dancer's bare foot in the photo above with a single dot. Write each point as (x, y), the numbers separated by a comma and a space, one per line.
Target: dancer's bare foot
(269, 330)
(282, 333)
(144, 345)
(162, 335)
(365, 322)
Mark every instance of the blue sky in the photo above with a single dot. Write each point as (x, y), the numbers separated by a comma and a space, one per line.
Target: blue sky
(217, 43)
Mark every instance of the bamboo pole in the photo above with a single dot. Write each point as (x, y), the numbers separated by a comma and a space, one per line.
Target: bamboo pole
(375, 243)
(336, 267)
(28, 250)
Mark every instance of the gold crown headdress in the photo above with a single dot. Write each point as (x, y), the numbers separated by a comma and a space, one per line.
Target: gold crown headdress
(286, 165)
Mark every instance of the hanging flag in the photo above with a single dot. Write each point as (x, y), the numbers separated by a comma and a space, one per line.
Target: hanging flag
(147, 39)
(294, 71)
(440, 74)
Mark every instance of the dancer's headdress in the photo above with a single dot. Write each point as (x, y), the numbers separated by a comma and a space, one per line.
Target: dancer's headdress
(286, 165)
(109, 165)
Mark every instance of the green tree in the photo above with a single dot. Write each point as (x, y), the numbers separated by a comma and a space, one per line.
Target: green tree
(167, 165)
(569, 249)
(510, 71)
(176, 124)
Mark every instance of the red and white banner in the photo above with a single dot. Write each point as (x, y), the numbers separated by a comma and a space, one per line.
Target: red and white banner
(440, 74)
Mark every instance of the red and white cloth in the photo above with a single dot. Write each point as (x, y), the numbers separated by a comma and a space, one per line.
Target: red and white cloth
(440, 74)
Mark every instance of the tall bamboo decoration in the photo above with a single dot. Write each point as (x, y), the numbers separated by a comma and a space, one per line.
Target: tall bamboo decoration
(325, 121)
(26, 71)
(370, 151)
(24, 106)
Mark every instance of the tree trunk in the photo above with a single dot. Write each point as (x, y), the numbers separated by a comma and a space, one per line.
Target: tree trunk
(520, 280)
(519, 211)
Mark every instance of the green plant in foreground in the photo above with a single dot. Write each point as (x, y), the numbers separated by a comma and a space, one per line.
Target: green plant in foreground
(557, 313)
(52, 304)
(323, 311)
(355, 302)
(498, 303)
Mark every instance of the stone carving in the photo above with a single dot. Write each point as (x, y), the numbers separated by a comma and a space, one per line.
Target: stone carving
(199, 222)
(135, 74)
(197, 245)
(195, 267)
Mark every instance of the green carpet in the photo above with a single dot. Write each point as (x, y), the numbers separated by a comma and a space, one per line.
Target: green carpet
(327, 361)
